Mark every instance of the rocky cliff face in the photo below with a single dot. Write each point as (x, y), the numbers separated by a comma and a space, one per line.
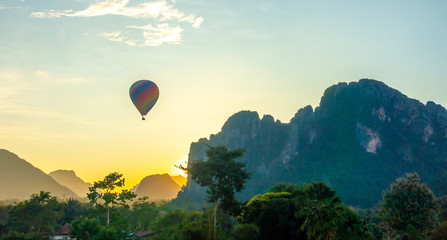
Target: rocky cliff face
(360, 139)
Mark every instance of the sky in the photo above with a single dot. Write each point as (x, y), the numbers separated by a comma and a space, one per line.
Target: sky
(66, 67)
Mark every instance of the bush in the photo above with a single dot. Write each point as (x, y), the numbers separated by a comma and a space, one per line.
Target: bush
(440, 233)
(108, 233)
(245, 232)
(14, 235)
(84, 228)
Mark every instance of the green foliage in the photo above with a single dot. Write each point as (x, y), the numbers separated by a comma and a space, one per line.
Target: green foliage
(14, 235)
(4, 214)
(143, 213)
(193, 231)
(440, 233)
(108, 233)
(73, 208)
(409, 208)
(245, 232)
(105, 191)
(442, 202)
(41, 214)
(321, 209)
(274, 214)
(84, 228)
(179, 224)
(312, 211)
(222, 174)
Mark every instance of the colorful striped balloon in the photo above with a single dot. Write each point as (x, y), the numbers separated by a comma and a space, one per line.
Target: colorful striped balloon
(144, 95)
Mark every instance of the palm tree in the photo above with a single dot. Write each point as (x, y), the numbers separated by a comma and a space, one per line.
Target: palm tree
(321, 209)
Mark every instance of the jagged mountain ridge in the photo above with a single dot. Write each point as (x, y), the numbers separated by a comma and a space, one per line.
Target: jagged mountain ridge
(19, 179)
(69, 179)
(360, 139)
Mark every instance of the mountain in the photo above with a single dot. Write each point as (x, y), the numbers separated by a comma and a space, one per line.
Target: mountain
(69, 179)
(361, 137)
(180, 180)
(158, 187)
(19, 179)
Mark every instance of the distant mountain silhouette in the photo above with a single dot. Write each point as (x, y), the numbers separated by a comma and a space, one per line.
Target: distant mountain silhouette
(180, 180)
(361, 138)
(69, 179)
(19, 179)
(158, 187)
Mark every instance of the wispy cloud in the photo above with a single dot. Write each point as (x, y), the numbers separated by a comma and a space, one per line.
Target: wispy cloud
(161, 11)
(118, 36)
(162, 33)
(113, 36)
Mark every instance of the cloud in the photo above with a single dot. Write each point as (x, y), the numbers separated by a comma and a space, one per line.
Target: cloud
(162, 33)
(4, 7)
(153, 36)
(118, 36)
(113, 36)
(161, 11)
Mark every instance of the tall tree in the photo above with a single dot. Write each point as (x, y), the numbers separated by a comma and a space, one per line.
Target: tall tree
(321, 208)
(409, 206)
(223, 175)
(105, 190)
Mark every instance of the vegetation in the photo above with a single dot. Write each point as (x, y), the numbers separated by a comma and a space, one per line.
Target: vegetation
(105, 190)
(223, 175)
(408, 210)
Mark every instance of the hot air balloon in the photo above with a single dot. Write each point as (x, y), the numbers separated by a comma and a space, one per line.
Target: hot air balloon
(144, 95)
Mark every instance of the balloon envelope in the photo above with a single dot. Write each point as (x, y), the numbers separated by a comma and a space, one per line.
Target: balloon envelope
(144, 95)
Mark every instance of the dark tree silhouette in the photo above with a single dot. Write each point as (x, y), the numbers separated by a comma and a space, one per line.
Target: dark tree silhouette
(223, 175)
(105, 190)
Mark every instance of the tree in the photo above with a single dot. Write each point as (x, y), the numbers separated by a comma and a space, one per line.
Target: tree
(440, 233)
(84, 228)
(442, 202)
(105, 190)
(312, 211)
(223, 175)
(182, 225)
(245, 232)
(74, 208)
(40, 214)
(275, 215)
(143, 212)
(4, 214)
(409, 206)
(321, 210)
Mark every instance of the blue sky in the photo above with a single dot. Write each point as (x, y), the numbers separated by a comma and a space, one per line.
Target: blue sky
(66, 67)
